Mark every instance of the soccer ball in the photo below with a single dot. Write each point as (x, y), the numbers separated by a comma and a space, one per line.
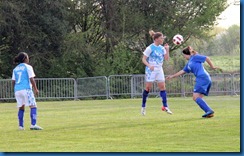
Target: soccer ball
(178, 39)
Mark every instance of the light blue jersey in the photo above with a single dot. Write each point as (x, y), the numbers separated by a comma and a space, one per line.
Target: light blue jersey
(22, 74)
(155, 55)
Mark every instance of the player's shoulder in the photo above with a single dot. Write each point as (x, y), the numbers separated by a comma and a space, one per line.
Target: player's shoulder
(199, 56)
(20, 66)
(151, 46)
(28, 66)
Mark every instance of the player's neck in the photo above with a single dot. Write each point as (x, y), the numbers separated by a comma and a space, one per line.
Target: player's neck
(156, 44)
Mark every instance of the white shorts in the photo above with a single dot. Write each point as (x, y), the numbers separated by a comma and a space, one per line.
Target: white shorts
(25, 97)
(156, 75)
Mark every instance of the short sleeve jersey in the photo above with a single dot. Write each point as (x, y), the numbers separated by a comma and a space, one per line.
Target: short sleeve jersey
(195, 66)
(22, 74)
(155, 54)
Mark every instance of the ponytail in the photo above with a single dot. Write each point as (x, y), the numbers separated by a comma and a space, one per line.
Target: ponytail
(155, 35)
(20, 58)
(152, 33)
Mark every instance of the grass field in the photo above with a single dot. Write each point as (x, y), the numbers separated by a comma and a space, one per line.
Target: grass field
(117, 126)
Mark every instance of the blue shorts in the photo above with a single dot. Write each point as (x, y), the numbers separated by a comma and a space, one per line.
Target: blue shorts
(202, 85)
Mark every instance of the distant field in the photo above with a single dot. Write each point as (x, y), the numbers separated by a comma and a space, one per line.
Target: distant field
(227, 63)
(117, 126)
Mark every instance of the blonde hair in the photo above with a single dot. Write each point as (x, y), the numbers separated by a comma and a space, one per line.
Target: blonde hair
(155, 35)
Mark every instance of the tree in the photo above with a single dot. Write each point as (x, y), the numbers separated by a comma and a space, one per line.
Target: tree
(36, 27)
(80, 37)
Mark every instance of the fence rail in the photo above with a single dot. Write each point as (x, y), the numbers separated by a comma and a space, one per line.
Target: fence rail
(120, 86)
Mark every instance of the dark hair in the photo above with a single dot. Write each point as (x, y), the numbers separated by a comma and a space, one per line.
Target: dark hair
(155, 35)
(20, 58)
(188, 51)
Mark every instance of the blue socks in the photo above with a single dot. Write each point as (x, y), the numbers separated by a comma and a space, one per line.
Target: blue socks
(21, 117)
(144, 98)
(33, 116)
(203, 105)
(163, 95)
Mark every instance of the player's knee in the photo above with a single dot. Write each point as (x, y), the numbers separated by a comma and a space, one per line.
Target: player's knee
(32, 106)
(163, 88)
(147, 89)
(22, 107)
(195, 98)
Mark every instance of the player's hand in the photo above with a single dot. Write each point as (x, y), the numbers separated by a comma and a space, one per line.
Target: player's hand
(151, 68)
(166, 46)
(214, 68)
(169, 77)
(36, 91)
(217, 69)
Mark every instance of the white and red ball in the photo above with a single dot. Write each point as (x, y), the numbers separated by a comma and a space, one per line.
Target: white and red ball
(178, 39)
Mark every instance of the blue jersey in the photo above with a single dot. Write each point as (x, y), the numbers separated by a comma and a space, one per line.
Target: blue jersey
(22, 74)
(155, 55)
(195, 66)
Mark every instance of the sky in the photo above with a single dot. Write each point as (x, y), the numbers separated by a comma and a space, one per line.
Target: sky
(230, 16)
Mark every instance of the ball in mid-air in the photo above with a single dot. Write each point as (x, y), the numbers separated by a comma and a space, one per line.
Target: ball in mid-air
(178, 39)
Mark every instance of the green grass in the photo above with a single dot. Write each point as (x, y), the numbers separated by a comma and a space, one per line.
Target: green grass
(226, 63)
(117, 126)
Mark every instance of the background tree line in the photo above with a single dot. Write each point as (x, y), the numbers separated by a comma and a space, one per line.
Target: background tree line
(80, 38)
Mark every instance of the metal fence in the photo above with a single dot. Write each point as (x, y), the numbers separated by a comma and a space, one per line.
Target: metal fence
(92, 87)
(6, 90)
(236, 84)
(59, 88)
(120, 86)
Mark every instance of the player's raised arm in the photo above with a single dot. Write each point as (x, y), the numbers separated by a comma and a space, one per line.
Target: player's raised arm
(166, 56)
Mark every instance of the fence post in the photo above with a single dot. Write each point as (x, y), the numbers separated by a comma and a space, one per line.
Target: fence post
(182, 86)
(75, 89)
(107, 91)
(132, 86)
(232, 84)
(109, 87)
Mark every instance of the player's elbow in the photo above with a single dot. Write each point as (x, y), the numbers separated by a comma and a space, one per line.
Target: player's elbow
(144, 59)
(207, 59)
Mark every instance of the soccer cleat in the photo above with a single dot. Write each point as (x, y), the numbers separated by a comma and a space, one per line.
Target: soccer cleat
(35, 127)
(143, 110)
(167, 110)
(209, 114)
(21, 128)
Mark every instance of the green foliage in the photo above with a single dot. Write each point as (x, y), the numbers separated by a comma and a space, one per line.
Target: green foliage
(95, 37)
(226, 63)
(123, 61)
(36, 27)
(117, 126)
(222, 42)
